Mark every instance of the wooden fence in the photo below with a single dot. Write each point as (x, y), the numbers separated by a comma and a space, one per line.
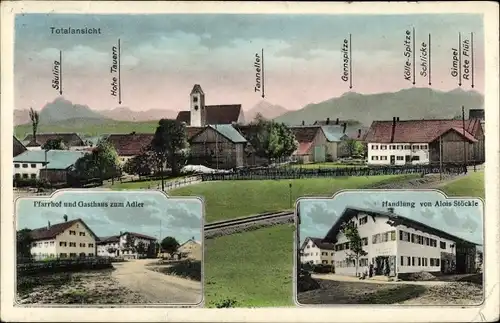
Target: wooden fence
(29, 267)
(297, 173)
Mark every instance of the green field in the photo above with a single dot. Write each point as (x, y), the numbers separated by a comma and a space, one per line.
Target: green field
(252, 269)
(137, 185)
(232, 199)
(471, 185)
(89, 128)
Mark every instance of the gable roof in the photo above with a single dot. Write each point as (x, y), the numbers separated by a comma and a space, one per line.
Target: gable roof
(305, 133)
(70, 138)
(197, 89)
(131, 144)
(56, 159)
(334, 133)
(193, 131)
(229, 132)
(394, 220)
(109, 239)
(215, 114)
(418, 131)
(17, 147)
(52, 231)
(318, 242)
(139, 235)
(303, 148)
(190, 240)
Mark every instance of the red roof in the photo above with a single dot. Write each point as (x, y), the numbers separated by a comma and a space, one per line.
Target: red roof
(50, 232)
(132, 144)
(303, 148)
(419, 131)
(215, 114)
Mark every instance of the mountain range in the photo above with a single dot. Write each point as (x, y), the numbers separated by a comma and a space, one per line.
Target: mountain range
(61, 110)
(413, 103)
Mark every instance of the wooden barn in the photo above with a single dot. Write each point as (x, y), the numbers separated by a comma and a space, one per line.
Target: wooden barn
(319, 143)
(218, 147)
(69, 139)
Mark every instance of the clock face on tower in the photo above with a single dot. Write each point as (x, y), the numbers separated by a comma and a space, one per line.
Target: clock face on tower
(196, 108)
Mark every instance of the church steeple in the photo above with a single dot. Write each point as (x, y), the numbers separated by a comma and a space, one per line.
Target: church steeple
(197, 107)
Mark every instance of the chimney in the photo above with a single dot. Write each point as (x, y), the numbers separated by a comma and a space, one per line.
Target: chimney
(65, 217)
(397, 119)
(303, 122)
(327, 120)
(393, 120)
(359, 133)
(344, 127)
(337, 121)
(192, 238)
(121, 233)
(393, 128)
(48, 225)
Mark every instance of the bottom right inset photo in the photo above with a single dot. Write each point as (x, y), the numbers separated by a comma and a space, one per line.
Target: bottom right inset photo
(407, 247)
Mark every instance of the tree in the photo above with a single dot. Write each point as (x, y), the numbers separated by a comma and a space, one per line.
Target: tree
(272, 140)
(354, 147)
(350, 230)
(139, 165)
(170, 245)
(23, 243)
(35, 119)
(153, 249)
(169, 146)
(141, 248)
(54, 144)
(130, 243)
(102, 162)
(111, 250)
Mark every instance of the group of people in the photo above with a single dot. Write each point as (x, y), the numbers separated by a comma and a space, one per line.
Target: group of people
(372, 270)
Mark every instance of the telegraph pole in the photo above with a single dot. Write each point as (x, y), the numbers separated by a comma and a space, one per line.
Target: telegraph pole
(465, 142)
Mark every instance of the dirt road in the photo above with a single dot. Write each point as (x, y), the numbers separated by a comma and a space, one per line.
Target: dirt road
(156, 287)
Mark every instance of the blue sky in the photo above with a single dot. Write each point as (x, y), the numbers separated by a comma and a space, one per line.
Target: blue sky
(319, 215)
(164, 55)
(180, 218)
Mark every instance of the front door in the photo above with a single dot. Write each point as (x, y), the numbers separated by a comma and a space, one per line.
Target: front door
(393, 159)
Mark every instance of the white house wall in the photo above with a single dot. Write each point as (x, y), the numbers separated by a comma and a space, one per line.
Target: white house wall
(313, 254)
(27, 170)
(380, 153)
(366, 230)
(410, 249)
(66, 244)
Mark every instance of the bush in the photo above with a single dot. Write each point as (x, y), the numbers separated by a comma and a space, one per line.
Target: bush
(323, 269)
(226, 303)
(28, 182)
(329, 158)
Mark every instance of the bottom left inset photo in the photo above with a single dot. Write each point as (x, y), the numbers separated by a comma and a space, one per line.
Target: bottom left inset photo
(109, 247)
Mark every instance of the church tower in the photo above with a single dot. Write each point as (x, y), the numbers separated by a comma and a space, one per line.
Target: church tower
(197, 107)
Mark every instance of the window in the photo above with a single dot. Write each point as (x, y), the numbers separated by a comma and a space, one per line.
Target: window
(62, 244)
(413, 261)
(436, 262)
(82, 245)
(383, 157)
(196, 107)
(383, 147)
(399, 147)
(442, 245)
(413, 237)
(363, 220)
(374, 147)
(432, 262)
(426, 241)
(364, 241)
(72, 233)
(419, 261)
(91, 255)
(401, 235)
(195, 99)
(331, 254)
(375, 238)
(402, 261)
(374, 157)
(407, 147)
(400, 158)
(33, 165)
(63, 255)
(324, 262)
(426, 262)
(17, 175)
(363, 262)
(72, 254)
(408, 261)
(423, 146)
(346, 246)
(72, 244)
(393, 235)
(91, 245)
(82, 234)
(25, 175)
(25, 165)
(415, 147)
(33, 176)
(46, 243)
(16, 165)
(52, 243)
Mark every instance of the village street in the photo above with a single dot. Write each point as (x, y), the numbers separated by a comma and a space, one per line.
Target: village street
(156, 287)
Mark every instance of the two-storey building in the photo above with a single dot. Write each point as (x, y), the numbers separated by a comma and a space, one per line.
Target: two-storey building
(398, 245)
(315, 251)
(63, 240)
(126, 245)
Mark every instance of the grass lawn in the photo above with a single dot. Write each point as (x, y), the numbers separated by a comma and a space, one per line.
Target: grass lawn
(471, 185)
(324, 165)
(251, 269)
(231, 199)
(89, 128)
